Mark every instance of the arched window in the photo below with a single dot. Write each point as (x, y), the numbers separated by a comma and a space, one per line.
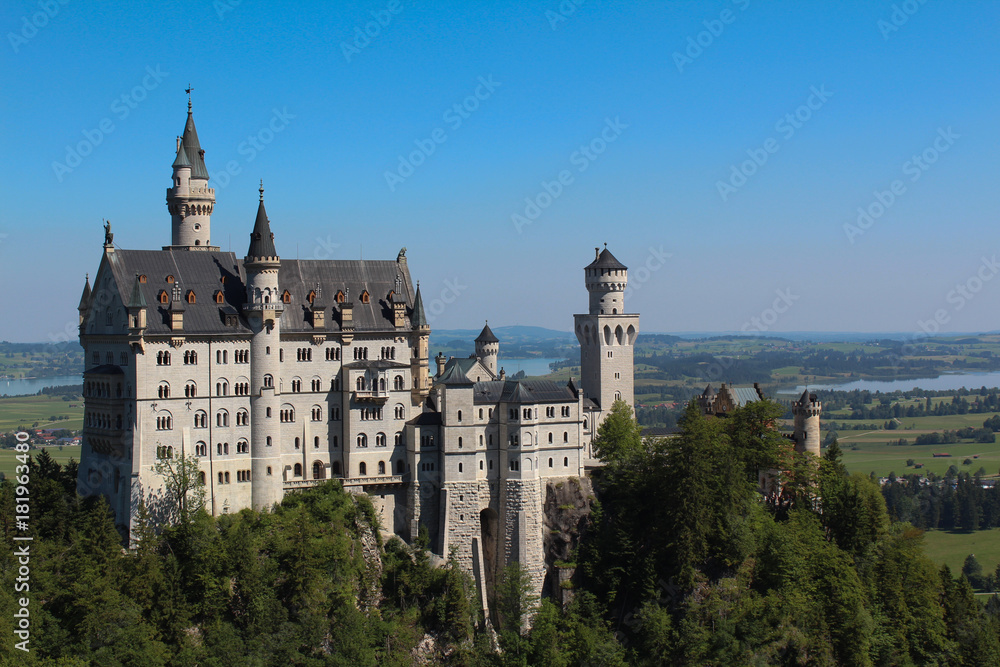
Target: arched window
(163, 391)
(297, 445)
(268, 381)
(480, 413)
(397, 383)
(201, 419)
(362, 469)
(298, 470)
(360, 384)
(318, 471)
(550, 462)
(550, 438)
(565, 436)
(459, 415)
(460, 442)
(316, 442)
(565, 462)
(362, 440)
(381, 467)
(459, 467)
(380, 440)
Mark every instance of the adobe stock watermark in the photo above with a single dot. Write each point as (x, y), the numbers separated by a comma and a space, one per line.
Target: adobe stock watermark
(900, 15)
(22, 541)
(223, 7)
(47, 10)
(252, 146)
(786, 126)
(696, 44)
(563, 12)
(453, 116)
(581, 158)
(915, 167)
(639, 276)
(758, 324)
(363, 36)
(958, 297)
(325, 248)
(122, 107)
(449, 294)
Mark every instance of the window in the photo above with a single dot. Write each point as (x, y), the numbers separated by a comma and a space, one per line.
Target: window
(459, 467)
(268, 442)
(190, 296)
(550, 462)
(550, 438)
(362, 440)
(268, 381)
(381, 467)
(162, 358)
(565, 462)
(286, 297)
(190, 357)
(298, 470)
(360, 384)
(219, 296)
(201, 419)
(480, 464)
(142, 278)
(303, 354)
(514, 464)
(316, 442)
(123, 359)
(222, 388)
(334, 414)
(365, 298)
(398, 439)
(397, 383)
(400, 467)
(332, 354)
(317, 413)
(513, 414)
(296, 386)
(480, 439)
(565, 436)
(316, 384)
(201, 477)
(399, 412)
(460, 442)
(268, 412)
(164, 423)
(170, 279)
(190, 389)
(201, 449)
(336, 442)
(459, 415)
(297, 445)
(163, 391)
(336, 467)
(242, 447)
(269, 470)
(362, 469)
(242, 418)
(480, 413)
(163, 452)
(287, 414)
(222, 418)
(163, 297)
(380, 440)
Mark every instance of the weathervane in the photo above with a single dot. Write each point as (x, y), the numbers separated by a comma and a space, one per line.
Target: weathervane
(188, 91)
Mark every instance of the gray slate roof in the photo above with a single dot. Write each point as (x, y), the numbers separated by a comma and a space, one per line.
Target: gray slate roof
(605, 260)
(195, 155)
(261, 238)
(521, 391)
(203, 271)
(487, 336)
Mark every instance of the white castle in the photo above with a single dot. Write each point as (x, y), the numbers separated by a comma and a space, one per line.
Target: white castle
(277, 374)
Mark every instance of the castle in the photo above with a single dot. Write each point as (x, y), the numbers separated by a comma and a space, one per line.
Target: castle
(276, 374)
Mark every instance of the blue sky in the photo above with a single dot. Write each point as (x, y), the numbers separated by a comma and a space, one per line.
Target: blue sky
(721, 149)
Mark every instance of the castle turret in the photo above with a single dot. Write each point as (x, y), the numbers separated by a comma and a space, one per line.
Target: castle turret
(189, 199)
(488, 349)
(263, 310)
(84, 306)
(420, 363)
(806, 411)
(606, 334)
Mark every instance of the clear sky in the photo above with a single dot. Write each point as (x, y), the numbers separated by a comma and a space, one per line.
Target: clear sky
(722, 150)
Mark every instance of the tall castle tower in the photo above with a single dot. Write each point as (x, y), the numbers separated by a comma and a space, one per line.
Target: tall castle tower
(420, 342)
(263, 310)
(488, 349)
(606, 333)
(806, 411)
(189, 199)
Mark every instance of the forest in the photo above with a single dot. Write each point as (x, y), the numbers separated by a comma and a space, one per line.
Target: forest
(682, 562)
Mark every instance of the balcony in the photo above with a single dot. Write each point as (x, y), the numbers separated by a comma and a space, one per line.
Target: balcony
(379, 396)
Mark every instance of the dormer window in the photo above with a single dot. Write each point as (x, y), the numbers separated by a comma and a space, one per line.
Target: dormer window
(163, 297)
(222, 280)
(286, 297)
(170, 279)
(311, 297)
(190, 296)
(219, 297)
(364, 297)
(142, 278)
(340, 296)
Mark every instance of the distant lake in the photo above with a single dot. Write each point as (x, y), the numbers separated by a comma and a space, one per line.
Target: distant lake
(946, 381)
(538, 366)
(35, 385)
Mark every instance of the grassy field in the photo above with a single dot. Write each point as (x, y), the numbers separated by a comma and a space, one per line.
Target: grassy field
(61, 455)
(951, 548)
(26, 410)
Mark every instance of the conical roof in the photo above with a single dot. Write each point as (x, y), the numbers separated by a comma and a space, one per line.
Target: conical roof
(191, 145)
(486, 336)
(85, 298)
(605, 260)
(418, 319)
(261, 238)
(137, 300)
(182, 159)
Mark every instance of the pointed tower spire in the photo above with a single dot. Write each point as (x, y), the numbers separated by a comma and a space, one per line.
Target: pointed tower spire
(261, 238)
(137, 300)
(189, 199)
(418, 319)
(85, 299)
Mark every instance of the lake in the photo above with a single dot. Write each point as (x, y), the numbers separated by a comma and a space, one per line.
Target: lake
(539, 366)
(946, 381)
(34, 385)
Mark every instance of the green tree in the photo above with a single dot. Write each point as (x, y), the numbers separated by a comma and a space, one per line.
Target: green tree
(619, 437)
(184, 490)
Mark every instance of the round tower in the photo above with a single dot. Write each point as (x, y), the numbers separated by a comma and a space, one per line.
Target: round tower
(263, 311)
(806, 411)
(488, 349)
(606, 279)
(189, 199)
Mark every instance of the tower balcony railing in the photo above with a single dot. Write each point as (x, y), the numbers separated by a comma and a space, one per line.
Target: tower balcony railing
(372, 395)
